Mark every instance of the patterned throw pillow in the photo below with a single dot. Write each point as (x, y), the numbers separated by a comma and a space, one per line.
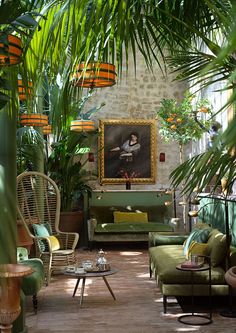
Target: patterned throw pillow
(44, 230)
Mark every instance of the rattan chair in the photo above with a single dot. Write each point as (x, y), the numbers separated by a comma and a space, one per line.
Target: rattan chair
(38, 202)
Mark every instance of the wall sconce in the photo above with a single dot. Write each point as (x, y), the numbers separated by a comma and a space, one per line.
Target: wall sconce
(91, 157)
(162, 157)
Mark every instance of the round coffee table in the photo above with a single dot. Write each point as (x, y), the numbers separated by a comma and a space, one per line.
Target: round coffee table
(84, 276)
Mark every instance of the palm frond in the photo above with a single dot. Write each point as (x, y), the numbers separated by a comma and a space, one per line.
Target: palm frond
(218, 161)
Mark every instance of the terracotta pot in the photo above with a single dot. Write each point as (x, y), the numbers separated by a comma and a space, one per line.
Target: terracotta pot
(71, 221)
(23, 238)
(230, 276)
(10, 309)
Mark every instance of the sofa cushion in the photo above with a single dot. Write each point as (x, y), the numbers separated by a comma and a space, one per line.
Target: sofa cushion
(131, 227)
(165, 258)
(197, 235)
(196, 248)
(54, 242)
(166, 238)
(130, 217)
(217, 247)
(42, 230)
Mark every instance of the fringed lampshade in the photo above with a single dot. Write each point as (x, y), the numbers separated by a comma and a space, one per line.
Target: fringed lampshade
(10, 50)
(22, 90)
(94, 75)
(47, 129)
(81, 125)
(34, 119)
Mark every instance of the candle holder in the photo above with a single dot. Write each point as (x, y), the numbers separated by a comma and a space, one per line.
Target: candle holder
(11, 275)
(128, 185)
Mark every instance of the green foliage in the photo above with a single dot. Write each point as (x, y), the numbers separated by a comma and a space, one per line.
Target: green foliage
(68, 168)
(30, 148)
(182, 121)
(215, 163)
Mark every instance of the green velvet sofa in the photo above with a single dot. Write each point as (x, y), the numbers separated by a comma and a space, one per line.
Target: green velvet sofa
(167, 251)
(132, 204)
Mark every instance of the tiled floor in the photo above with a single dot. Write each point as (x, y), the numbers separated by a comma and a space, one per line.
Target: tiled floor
(137, 309)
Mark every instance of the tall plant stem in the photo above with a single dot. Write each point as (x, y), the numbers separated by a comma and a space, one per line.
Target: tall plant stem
(8, 119)
(181, 160)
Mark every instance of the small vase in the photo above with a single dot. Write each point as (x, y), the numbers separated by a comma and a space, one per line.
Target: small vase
(128, 185)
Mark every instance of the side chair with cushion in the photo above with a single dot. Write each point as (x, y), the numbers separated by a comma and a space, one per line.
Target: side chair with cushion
(38, 207)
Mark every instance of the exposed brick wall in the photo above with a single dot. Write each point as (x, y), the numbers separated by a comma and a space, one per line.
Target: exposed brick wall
(139, 98)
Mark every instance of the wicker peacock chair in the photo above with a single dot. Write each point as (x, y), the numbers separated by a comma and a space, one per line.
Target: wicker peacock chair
(38, 207)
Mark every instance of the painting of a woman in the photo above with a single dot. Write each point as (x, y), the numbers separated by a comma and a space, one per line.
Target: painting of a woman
(128, 151)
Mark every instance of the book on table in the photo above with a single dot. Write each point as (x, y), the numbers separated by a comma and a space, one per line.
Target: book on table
(191, 264)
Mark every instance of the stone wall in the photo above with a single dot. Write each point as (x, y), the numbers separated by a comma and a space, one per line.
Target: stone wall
(139, 98)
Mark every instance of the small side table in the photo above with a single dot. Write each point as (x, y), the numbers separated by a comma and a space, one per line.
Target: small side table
(186, 319)
(96, 274)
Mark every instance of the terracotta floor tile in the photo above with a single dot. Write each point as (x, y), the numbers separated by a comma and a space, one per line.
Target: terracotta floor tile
(137, 309)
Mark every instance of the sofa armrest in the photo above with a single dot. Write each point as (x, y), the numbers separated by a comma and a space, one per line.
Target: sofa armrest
(91, 228)
(232, 256)
(166, 238)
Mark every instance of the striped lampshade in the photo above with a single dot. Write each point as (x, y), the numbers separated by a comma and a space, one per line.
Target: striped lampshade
(10, 50)
(34, 119)
(94, 75)
(81, 125)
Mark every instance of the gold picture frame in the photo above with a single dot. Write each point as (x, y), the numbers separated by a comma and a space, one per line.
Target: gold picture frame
(121, 159)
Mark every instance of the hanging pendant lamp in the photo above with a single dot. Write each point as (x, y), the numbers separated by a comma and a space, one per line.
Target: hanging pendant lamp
(47, 129)
(22, 90)
(94, 75)
(10, 50)
(81, 125)
(34, 119)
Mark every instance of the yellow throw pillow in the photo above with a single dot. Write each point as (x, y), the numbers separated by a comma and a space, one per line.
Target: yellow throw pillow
(54, 242)
(130, 217)
(198, 249)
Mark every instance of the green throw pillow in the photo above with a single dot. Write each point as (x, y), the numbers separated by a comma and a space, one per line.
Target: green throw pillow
(42, 230)
(217, 247)
(197, 235)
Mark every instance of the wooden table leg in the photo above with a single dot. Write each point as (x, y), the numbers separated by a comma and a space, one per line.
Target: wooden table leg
(109, 288)
(82, 292)
(76, 287)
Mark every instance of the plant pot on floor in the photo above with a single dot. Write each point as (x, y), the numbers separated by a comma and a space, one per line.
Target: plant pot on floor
(23, 238)
(71, 221)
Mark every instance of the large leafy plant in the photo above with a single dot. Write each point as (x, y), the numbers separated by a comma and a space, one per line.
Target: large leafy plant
(30, 149)
(67, 166)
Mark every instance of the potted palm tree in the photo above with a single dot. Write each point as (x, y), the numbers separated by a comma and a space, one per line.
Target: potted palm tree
(67, 167)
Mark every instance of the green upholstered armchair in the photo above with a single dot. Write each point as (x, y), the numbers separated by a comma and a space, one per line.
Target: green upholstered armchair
(31, 284)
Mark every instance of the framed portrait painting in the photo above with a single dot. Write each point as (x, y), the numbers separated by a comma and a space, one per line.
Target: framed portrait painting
(127, 151)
